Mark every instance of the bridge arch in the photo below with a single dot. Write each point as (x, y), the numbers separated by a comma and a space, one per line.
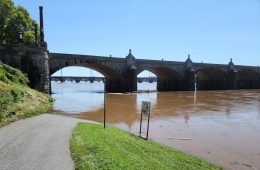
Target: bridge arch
(248, 79)
(77, 73)
(72, 75)
(113, 77)
(168, 79)
(210, 79)
(106, 71)
(146, 80)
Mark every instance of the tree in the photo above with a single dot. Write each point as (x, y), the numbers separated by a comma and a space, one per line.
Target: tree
(15, 20)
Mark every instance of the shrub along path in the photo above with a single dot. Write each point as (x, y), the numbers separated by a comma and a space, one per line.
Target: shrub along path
(17, 100)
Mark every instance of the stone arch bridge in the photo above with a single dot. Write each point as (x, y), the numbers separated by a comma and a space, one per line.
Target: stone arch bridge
(121, 73)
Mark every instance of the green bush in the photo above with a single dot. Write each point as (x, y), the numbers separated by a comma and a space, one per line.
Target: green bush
(17, 100)
(11, 75)
(5, 102)
(9, 98)
(11, 92)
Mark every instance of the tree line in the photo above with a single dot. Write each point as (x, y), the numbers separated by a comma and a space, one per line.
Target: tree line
(16, 23)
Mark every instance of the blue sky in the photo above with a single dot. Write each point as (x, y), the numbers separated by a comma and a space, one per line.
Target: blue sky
(211, 31)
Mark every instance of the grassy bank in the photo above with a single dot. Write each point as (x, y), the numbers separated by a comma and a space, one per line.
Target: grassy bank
(17, 100)
(92, 147)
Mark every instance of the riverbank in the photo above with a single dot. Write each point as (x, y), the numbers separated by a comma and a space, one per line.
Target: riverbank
(17, 100)
(93, 147)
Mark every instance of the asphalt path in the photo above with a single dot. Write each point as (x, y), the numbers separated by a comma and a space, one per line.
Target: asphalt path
(37, 143)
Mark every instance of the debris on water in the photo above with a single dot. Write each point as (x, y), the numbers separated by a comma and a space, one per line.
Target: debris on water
(250, 166)
(146, 91)
(184, 139)
(179, 138)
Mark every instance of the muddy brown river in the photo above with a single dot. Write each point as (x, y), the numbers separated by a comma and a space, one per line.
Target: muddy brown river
(222, 127)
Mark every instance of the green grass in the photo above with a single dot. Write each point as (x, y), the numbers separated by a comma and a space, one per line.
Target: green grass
(17, 100)
(10, 75)
(92, 147)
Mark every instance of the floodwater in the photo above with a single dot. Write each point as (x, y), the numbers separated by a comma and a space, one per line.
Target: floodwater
(222, 127)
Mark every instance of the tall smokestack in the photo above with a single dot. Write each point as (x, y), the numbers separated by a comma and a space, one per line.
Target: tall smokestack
(41, 24)
(36, 33)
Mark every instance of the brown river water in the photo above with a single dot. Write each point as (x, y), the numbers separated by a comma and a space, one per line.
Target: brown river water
(222, 127)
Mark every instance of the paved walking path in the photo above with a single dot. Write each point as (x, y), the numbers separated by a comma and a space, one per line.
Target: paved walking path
(38, 143)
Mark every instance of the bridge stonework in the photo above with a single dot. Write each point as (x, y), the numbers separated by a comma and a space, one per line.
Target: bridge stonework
(121, 73)
(32, 61)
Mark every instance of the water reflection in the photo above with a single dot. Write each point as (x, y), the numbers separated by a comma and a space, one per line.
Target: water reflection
(75, 98)
(87, 99)
(147, 86)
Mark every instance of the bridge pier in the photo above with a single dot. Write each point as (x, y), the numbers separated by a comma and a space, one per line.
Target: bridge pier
(129, 74)
(232, 80)
(189, 76)
(114, 86)
(248, 84)
(189, 82)
(122, 85)
(176, 85)
(32, 61)
(169, 84)
(131, 79)
(232, 77)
